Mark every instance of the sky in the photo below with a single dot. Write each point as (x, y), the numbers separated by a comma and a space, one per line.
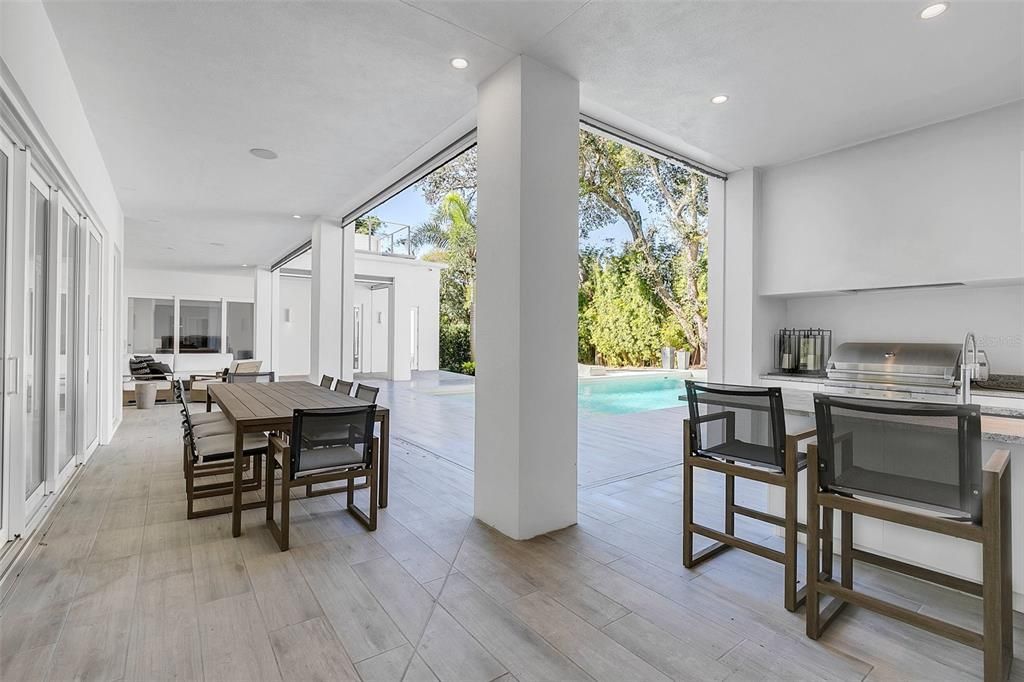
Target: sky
(408, 208)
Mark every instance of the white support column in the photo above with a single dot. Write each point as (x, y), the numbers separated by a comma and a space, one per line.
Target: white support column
(330, 342)
(263, 318)
(716, 279)
(275, 320)
(398, 327)
(348, 285)
(527, 245)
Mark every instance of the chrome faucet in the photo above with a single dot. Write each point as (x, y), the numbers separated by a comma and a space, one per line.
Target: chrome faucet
(967, 369)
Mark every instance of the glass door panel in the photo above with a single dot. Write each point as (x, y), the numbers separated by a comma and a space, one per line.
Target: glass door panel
(5, 174)
(35, 340)
(199, 327)
(66, 327)
(240, 330)
(92, 339)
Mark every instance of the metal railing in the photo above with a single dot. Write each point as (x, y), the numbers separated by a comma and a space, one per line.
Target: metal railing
(387, 241)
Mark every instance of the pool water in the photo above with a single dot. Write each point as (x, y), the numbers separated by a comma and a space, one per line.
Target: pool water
(625, 395)
(628, 395)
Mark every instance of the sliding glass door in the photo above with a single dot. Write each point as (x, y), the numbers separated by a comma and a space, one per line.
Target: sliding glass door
(93, 297)
(35, 342)
(6, 154)
(66, 330)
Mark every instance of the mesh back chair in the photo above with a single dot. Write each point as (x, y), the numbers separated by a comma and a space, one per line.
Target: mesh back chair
(315, 454)
(343, 387)
(740, 431)
(213, 455)
(251, 378)
(919, 465)
(326, 381)
(367, 393)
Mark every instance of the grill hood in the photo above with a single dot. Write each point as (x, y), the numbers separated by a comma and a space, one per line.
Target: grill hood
(901, 364)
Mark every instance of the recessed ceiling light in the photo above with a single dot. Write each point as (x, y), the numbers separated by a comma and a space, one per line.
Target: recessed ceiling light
(720, 99)
(263, 153)
(216, 243)
(932, 11)
(459, 62)
(297, 216)
(245, 265)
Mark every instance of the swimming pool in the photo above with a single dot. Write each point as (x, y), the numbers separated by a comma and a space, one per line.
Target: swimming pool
(626, 395)
(620, 395)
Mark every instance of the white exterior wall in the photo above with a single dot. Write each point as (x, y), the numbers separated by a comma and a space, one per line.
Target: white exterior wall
(416, 283)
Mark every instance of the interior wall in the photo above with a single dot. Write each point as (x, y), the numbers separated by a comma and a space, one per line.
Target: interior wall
(184, 284)
(994, 314)
(293, 338)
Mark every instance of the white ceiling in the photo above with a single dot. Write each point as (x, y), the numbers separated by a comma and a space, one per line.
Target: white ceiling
(177, 92)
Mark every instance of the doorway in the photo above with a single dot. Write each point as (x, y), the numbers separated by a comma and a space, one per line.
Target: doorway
(371, 303)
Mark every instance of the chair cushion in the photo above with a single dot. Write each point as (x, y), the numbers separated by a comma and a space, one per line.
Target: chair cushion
(207, 418)
(213, 428)
(224, 445)
(330, 458)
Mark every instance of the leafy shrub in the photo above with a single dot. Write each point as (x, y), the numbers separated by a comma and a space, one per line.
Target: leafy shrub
(469, 368)
(454, 345)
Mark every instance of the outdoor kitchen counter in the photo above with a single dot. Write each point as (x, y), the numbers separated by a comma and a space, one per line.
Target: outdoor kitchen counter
(998, 424)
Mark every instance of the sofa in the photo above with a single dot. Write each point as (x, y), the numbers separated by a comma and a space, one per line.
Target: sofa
(182, 366)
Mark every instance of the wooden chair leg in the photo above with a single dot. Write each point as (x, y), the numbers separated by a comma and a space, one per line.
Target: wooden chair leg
(827, 533)
(730, 502)
(286, 493)
(367, 519)
(268, 493)
(813, 555)
(687, 513)
(846, 533)
(792, 599)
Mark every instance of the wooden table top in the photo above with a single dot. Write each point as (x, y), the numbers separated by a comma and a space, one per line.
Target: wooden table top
(275, 403)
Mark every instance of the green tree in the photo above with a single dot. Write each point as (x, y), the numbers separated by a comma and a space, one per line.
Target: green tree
(451, 231)
(369, 224)
(624, 319)
(672, 245)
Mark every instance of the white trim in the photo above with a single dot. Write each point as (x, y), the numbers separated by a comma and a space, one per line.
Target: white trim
(6, 220)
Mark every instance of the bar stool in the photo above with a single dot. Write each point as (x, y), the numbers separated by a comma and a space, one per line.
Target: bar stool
(740, 431)
(919, 465)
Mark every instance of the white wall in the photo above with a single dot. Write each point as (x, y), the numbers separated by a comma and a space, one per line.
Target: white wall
(185, 284)
(417, 283)
(937, 204)
(994, 314)
(293, 336)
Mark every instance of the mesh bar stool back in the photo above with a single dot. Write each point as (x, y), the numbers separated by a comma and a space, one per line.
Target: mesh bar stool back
(740, 431)
(913, 464)
(923, 454)
(742, 423)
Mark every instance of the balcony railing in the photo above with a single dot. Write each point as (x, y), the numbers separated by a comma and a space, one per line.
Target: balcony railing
(391, 239)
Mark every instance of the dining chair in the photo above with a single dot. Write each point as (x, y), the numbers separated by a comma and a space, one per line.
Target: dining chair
(214, 455)
(740, 431)
(342, 386)
(203, 420)
(367, 393)
(312, 455)
(913, 464)
(326, 381)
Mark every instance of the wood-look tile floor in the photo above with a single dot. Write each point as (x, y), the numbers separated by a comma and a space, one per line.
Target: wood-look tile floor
(123, 587)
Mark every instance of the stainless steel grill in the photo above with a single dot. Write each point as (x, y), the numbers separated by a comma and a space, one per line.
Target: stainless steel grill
(907, 371)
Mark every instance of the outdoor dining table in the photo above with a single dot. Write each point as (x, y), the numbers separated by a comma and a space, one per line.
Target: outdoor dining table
(256, 407)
